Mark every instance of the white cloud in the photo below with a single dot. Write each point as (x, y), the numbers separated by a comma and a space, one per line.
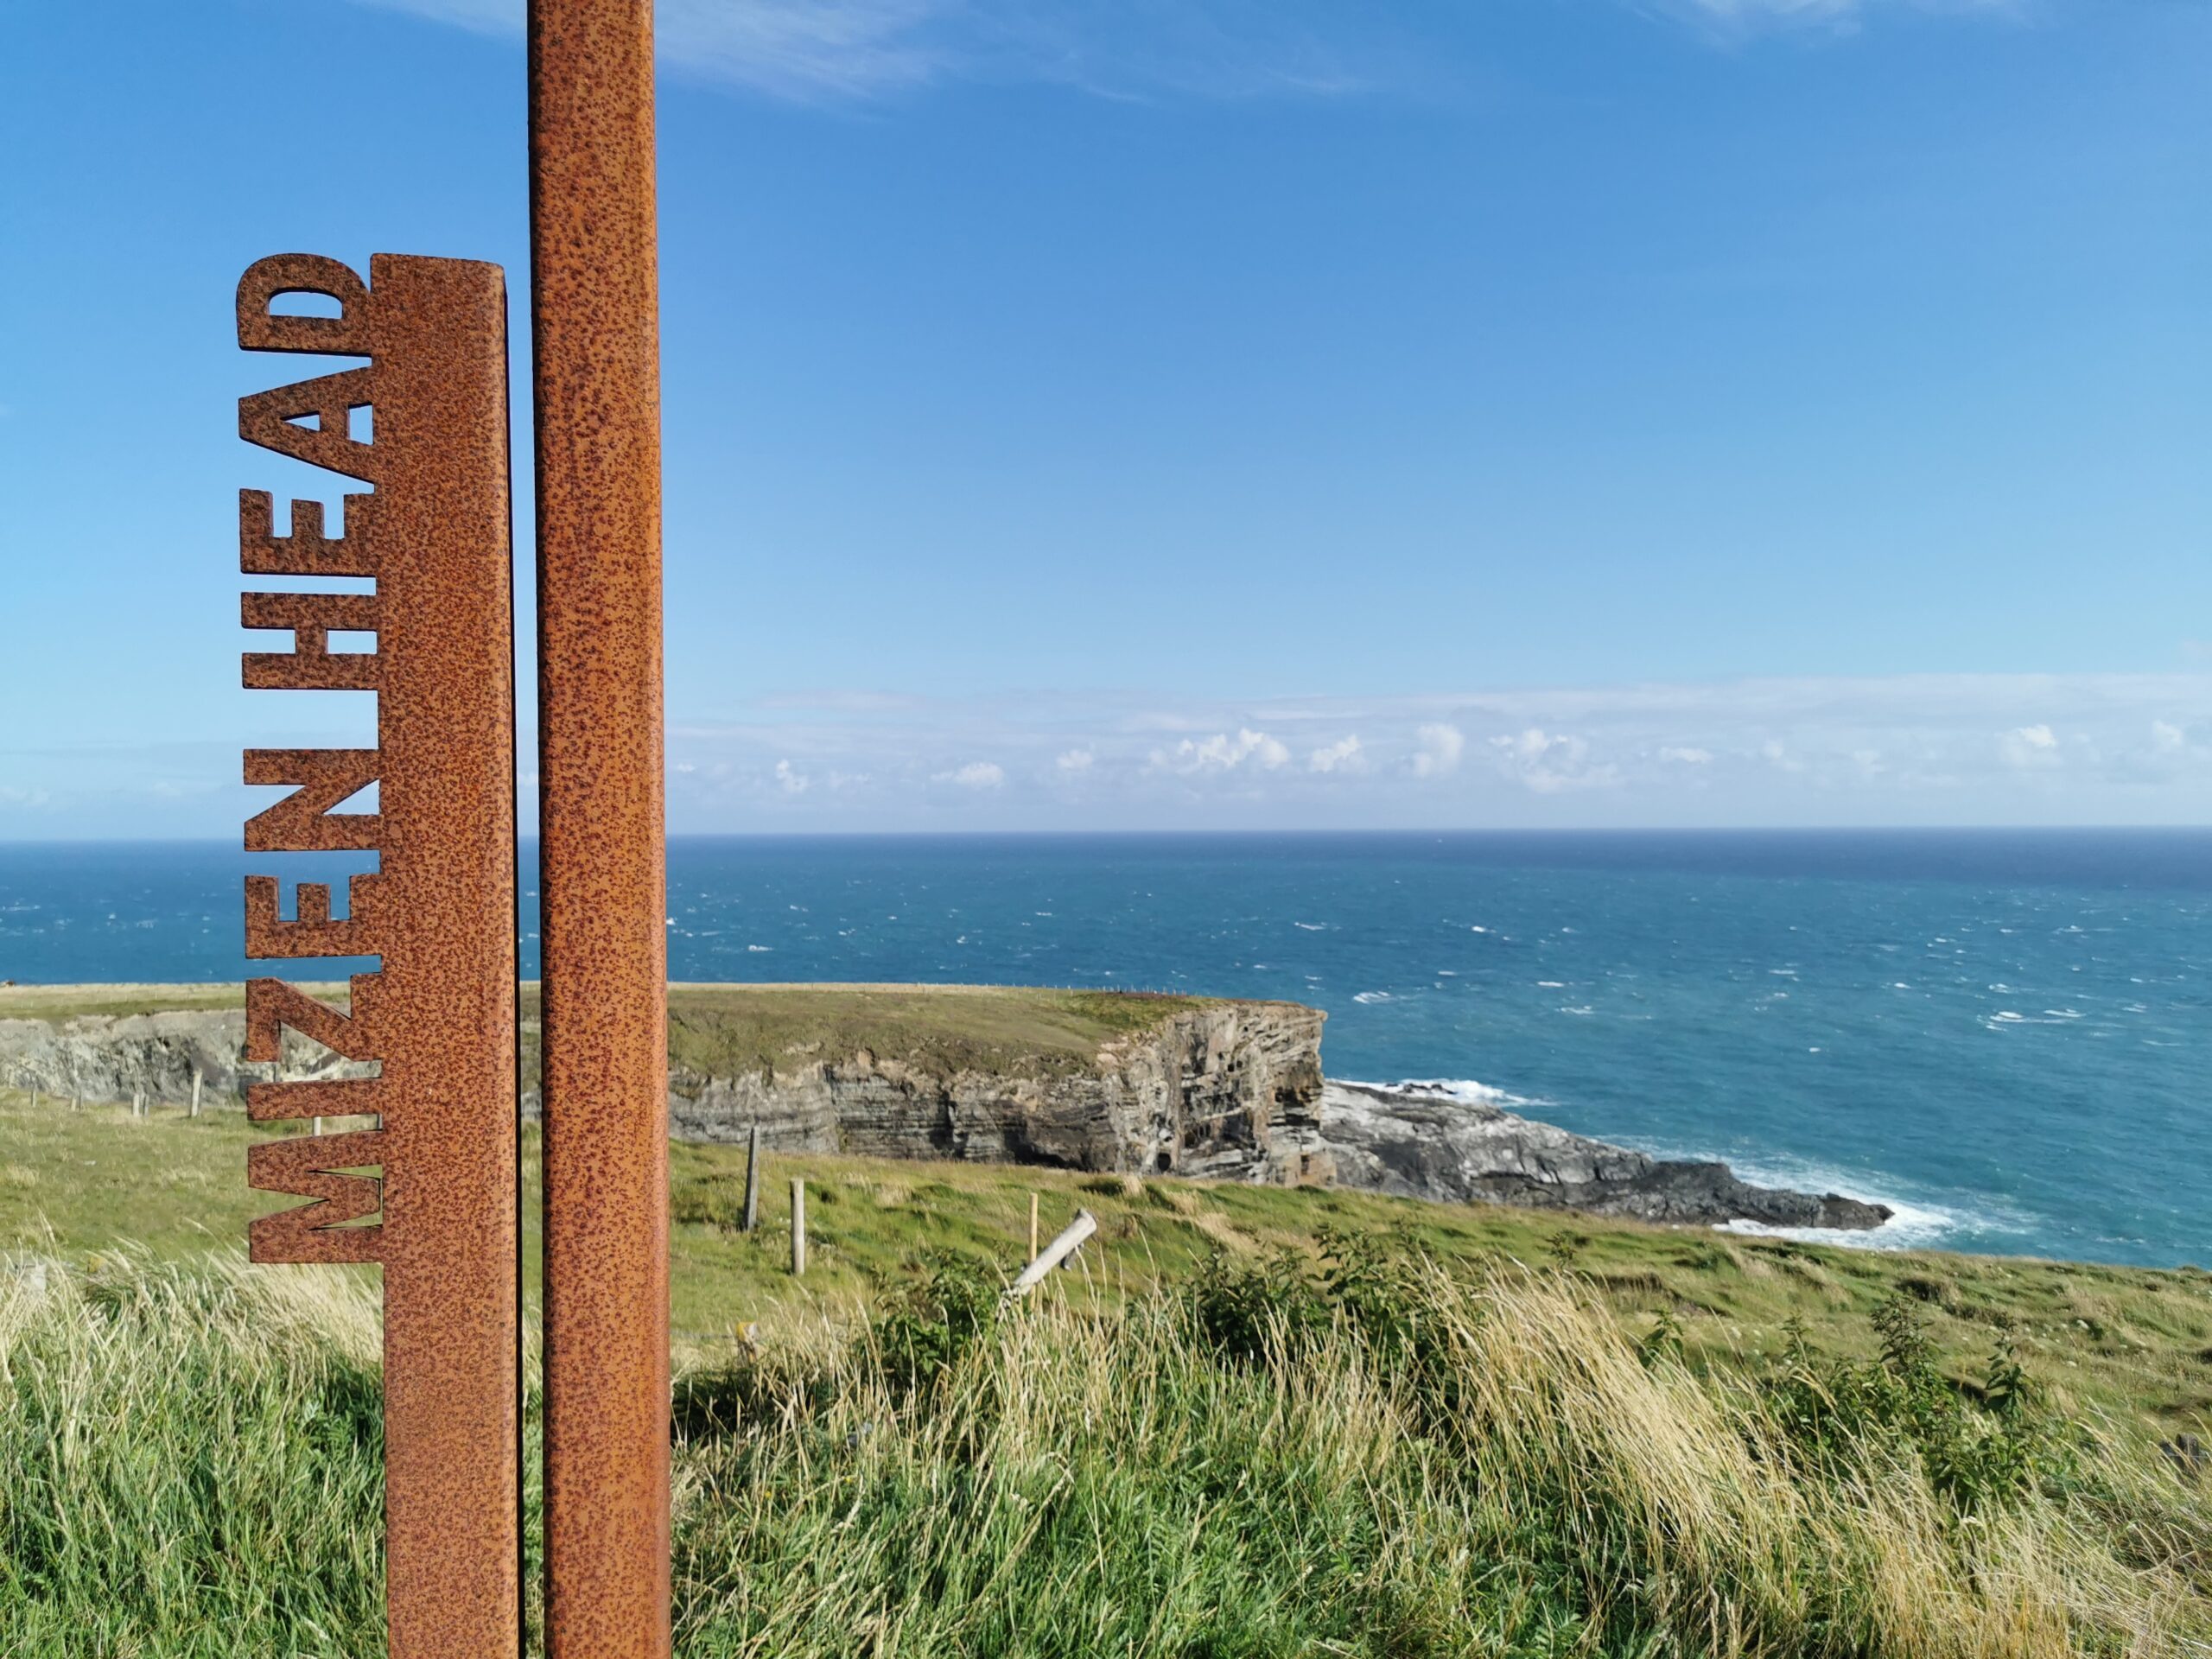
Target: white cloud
(976, 775)
(2030, 746)
(1548, 764)
(1441, 746)
(1222, 753)
(1341, 756)
(842, 49)
(1908, 749)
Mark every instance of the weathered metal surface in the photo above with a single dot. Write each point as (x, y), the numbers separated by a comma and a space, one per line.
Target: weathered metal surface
(595, 307)
(439, 1015)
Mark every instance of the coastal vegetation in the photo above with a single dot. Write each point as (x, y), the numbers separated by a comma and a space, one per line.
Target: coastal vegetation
(1253, 1421)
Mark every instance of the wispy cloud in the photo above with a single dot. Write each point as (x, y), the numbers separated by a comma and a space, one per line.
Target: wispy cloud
(976, 775)
(810, 50)
(1910, 749)
(1738, 18)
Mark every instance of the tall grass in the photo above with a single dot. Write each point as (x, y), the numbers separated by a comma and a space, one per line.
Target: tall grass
(1387, 1462)
(190, 1463)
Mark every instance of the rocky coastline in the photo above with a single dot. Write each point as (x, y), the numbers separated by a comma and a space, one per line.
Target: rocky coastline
(1208, 1089)
(1425, 1142)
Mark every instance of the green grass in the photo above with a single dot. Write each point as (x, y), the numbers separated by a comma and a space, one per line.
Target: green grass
(56, 1003)
(733, 1030)
(78, 1184)
(1255, 1422)
(1395, 1462)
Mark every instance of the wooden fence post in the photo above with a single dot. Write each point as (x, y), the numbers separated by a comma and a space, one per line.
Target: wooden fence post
(195, 1091)
(1033, 1226)
(752, 1177)
(1057, 1252)
(798, 1227)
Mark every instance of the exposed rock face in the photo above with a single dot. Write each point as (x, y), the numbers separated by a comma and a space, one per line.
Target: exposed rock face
(103, 1056)
(1424, 1143)
(1229, 1090)
(1226, 1090)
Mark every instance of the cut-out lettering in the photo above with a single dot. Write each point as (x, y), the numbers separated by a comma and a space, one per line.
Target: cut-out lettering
(431, 1194)
(269, 937)
(307, 551)
(303, 821)
(260, 330)
(310, 665)
(273, 1004)
(312, 1167)
(278, 1102)
(267, 418)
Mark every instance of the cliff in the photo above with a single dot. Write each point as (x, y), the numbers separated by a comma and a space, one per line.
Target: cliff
(1190, 1086)
(1185, 1085)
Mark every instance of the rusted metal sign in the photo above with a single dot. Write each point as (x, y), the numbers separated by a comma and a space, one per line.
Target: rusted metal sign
(431, 1194)
(595, 293)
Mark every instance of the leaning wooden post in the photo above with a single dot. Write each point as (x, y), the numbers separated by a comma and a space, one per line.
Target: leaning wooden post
(595, 315)
(752, 1177)
(195, 1091)
(799, 1228)
(1057, 1251)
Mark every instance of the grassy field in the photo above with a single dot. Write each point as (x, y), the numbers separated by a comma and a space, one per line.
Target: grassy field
(74, 1186)
(1253, 1421)
(1373, 1456)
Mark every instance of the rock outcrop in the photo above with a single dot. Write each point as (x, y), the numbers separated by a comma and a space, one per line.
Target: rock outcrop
(113, 1057)
(1223, 1089)
(1219, 1090)
(1427, 1143)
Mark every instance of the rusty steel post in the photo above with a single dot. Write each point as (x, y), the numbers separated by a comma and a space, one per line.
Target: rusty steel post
(438, 1015)
(596, 328)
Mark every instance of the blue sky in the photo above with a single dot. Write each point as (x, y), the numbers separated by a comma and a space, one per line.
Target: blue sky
(1226, 413)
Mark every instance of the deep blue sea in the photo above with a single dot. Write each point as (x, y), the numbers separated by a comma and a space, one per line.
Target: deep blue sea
(2008, 1036)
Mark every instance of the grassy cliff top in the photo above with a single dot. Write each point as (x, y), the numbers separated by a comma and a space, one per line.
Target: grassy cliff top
(2137, 1340)
(59, 1002)
(731, 1030)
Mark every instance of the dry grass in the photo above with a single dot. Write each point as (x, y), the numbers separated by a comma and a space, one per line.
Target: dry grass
(1477, 1463)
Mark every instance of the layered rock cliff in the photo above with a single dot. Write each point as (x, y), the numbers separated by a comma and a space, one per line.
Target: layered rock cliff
(114, 1057)
(1166, 1085)
(1223, 1089)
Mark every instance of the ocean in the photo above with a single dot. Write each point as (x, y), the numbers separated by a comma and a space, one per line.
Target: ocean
(2005, 1036)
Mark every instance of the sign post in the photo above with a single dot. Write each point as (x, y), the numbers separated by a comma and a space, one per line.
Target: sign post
(595, 289)
(439, 1170)
(431, 1192)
